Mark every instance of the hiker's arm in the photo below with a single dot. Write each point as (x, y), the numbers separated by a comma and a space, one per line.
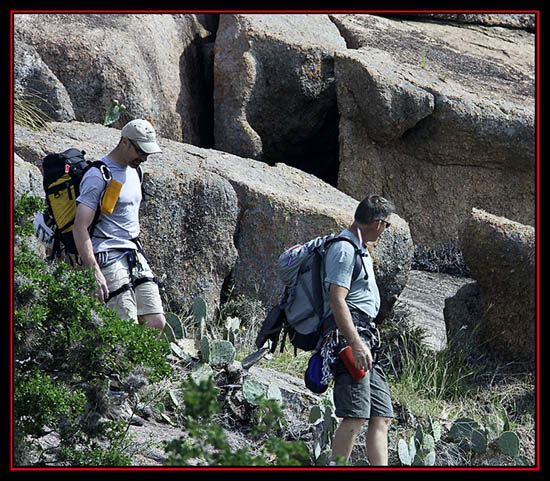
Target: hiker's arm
(340, 310)
(83, 219)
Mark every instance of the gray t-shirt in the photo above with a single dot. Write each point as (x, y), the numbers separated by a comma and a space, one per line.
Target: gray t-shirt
(113, 231)
(339, 263)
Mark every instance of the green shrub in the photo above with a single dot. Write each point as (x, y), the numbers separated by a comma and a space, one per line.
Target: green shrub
(67, 347)
(206, 443)
(39, 402)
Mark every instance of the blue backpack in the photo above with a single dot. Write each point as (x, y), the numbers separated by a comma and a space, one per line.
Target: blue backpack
(299, 313)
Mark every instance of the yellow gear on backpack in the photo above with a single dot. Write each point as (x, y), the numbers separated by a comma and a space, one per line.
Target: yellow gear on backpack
(63, 173)
(62, 202)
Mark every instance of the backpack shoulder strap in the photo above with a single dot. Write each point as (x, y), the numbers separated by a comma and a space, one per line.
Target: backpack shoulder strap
(105, 171)
(103, 168)
(358, 258)
(143, 191)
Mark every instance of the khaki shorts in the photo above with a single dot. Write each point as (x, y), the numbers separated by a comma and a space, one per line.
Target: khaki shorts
(369, 397)
(143, 299)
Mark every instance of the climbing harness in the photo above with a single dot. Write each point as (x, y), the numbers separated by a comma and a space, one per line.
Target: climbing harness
(133, 263)
(333, 343)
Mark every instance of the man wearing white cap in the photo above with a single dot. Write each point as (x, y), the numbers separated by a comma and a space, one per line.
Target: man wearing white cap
(124, 279)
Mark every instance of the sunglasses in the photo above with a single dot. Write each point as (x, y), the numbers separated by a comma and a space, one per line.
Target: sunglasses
(387, 224)
(137, 149)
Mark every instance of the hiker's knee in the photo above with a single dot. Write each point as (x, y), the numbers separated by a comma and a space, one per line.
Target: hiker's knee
(352, 425)
(379, 423)
(156, 321)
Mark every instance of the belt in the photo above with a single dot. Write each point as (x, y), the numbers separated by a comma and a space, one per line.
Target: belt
(365, 326)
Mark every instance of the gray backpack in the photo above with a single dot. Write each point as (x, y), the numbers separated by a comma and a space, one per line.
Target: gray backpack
(300, 311)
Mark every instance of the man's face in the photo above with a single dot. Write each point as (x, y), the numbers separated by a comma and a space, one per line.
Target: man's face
(375, 229)
(382, 225)
(135, 155)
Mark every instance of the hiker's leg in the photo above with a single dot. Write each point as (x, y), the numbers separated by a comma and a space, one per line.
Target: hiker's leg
(117, 275)
(377, 441)
(149, 303)
(344, 437)
(155, 321)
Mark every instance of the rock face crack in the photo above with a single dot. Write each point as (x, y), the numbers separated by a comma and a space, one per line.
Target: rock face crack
(382, 99)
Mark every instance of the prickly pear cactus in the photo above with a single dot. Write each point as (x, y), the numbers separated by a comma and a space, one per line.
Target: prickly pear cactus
(201, 371)
(274, 393)
(404, 454)
(112, 114)
(199, 308)
(221, 352)
(436, 429)
(175, 323)
(178, 351)
(462, 429)
(253, 391)
(205, 349)
(479, 441)
(199, 313)
(509, 443)
(232, 326)
(419, 451)
(168, 333)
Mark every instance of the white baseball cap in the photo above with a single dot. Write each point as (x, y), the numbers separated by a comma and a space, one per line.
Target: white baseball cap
(143, 134)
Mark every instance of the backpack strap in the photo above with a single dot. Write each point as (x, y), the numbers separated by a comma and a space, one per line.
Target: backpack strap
(104, 169)
(143, 191)
(359, 263)
(316, 286)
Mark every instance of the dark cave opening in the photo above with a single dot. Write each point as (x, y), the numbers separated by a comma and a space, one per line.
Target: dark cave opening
(317, 155)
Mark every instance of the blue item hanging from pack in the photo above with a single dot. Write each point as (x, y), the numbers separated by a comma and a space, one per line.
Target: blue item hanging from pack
(313, 376)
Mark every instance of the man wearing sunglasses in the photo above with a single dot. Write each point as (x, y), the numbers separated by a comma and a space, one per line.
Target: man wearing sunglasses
(353, 304)
(123, 275)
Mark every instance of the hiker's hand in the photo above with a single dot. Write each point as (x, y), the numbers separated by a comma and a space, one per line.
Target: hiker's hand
(102, 291)
(361, 355)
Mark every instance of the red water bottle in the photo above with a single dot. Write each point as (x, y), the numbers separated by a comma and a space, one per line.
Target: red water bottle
(347, 358)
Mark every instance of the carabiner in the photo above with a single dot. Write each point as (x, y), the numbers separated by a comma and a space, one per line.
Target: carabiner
(105, 172)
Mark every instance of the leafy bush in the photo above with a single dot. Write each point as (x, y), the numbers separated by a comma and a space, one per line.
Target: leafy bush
(67, 348)
(207, 443)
